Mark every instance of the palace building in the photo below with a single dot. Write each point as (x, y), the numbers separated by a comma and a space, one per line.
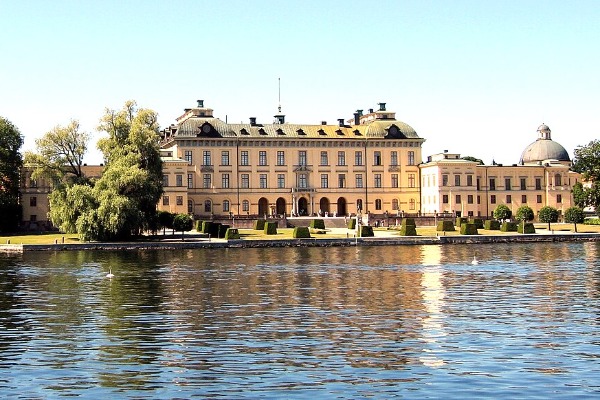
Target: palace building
(368, 164)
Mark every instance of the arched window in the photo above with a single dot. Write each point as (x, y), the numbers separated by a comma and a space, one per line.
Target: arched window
(245, 206)
(378, 204)
(395, 204)
(207, 206)
(557, 180)
(225, 205)
(411, 204)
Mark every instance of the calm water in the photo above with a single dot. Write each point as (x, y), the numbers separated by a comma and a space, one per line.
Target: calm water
(377, 322)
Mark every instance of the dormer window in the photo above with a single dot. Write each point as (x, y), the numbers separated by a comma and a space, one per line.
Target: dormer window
(300, 132)
(357, 132)
(261, 131)
(280, 132)
(321, 132)
(244, 132)
(340, 132)
(206, 129)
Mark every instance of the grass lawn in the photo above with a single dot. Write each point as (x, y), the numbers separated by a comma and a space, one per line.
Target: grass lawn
(39, 238)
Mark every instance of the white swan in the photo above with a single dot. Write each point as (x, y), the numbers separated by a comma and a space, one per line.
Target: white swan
(110, 275)
(474, 262)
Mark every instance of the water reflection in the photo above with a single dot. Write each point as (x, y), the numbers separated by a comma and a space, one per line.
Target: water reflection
(331, 322)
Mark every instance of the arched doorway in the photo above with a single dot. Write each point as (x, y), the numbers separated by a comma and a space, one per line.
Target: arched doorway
(341, 207)
(280, 206)
(324, 206)
(263, 207)
(302, 206)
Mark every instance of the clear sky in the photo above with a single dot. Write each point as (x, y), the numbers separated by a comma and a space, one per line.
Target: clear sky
(472, 77)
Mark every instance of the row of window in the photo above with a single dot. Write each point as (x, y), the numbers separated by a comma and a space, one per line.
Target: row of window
(302, 158)
(470, 197)
(507, 182)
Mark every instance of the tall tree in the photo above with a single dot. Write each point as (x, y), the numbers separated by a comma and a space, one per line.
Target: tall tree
(11, 162)
(524, 213)
(502, 212)
(548, 214)
(59, 154)
(587, 163)
(574, 215)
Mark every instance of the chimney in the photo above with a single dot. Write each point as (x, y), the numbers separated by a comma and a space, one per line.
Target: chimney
(200, 103)
(341, 121)
(370, 111)
(252, 121)
(323, 122)
(357, 118)
(381, 106)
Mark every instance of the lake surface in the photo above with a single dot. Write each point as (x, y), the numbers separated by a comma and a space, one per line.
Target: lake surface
(367, 322)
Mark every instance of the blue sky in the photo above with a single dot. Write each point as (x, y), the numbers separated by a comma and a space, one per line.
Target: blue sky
(461, 73)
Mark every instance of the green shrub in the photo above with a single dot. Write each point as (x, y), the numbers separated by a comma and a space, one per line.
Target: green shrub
(492, 225)
(478, 223)
(270, 228)
(468, 229)
(206, 226)
(232, 233)
(592, 221)
(317, 224)
(199, 226)
(409, 221)
(526, 228)
(301, 232)
(509, 227)
(365, 231)
(460, 221)
(446, 226)
(408, 230)
(259, 225)
(352, 223)
(223, 230)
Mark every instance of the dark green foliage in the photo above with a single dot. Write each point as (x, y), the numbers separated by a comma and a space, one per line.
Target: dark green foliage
(352, 223)
(468, 229)
(232, 233)
(446, 226)
(206, 226)
(183, 223)
(199, 225)
(460, 221)
(223, 230)
(11, 215)
(365, 231)
(526, 228)
(502, 212)
(409, 221)
(478, 223)
(408, 227)
(574, 215)
(301, 232)
(492, 225)
(548, 214)
(11, 162)
(165, 220)
(270, 228)
(259, 225)
(509, 227)
(317, 224)
(524, 213)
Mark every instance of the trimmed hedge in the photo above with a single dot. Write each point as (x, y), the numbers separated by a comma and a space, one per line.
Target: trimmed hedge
(222, 230)
(408, 221)
(259, 225)
(317, 224)
(492, 225)
(365, 231)
(460, 221)
(206, 226)
(468, 229)
(232, 233)
(301, 232)
(408, 227)
(199, 226)
(478, 223)
(509, 227)
(270, 228)
(352, 223)
(446, 226)
(527, 228)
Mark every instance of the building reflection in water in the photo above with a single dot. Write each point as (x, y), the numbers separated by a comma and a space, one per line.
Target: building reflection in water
(433, 294)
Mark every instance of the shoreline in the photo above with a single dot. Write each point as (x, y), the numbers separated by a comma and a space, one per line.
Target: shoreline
(308, 242)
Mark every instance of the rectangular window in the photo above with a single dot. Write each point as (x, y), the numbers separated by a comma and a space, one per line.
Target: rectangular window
(324, 181)
(33, 183)
(179, 200)
(478, 184)
(342, 180)
(559, 198)
(178, 180)
(262, 158)
(190, 181)
(207, 181)
(470, 199)
(245, 181)
(280, 158)
(358, 158)
(302, 157)
(263, 181)
(445, 199)
(245, 205)
(302, 181)
(206, 158)
(165, 200)
(165, 180)
(523, 184)
(493, 199)
(538, 183)
(456, 180)
(492, 183)
(411, 158)
(188, 156)
(411, 180)
(281, 181)
(377, 158)
(225, 181)
(444, 180)
(225, 205)
(225, 157)
(508, 199)
(539, 199)
(507, 185)
(458, 199)
(377, 180)
(324, 160)
(394, 158)
(524, 199)
(341, 158)
(244, 159)
(33, 201)
(359, 181)
(394, 180)
(469, 180)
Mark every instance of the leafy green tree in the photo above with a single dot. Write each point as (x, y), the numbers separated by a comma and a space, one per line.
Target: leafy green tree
(183, 223)
(524, 213)
(165, 220)
(548, 215)
(580, 196)
(502, 212)
(59, 154)
(470, 158)
(587, 160)
(11, 162)
(574, 215)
